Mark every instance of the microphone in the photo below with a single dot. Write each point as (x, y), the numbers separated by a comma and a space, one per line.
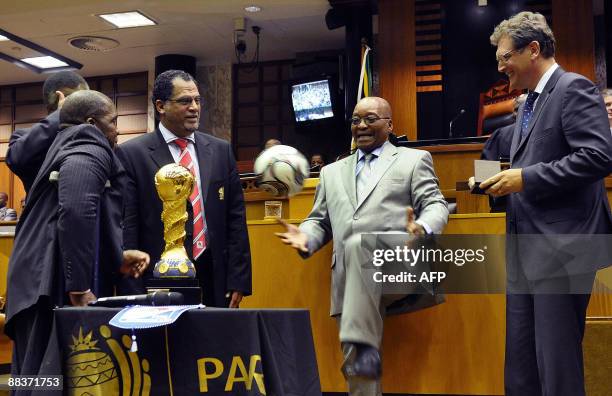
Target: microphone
(450, 125)
(156, 299)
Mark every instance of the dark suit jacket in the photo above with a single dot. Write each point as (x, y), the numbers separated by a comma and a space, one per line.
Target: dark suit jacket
(496, 148)
(498, 144)
(28, 148)
(224, 209)
(61, 236)
(564, 157)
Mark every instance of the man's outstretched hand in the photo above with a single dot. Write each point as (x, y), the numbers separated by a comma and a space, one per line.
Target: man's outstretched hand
(293, 237)
(134, 263)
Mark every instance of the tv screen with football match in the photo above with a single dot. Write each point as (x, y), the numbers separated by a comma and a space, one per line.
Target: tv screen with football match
(312, 101)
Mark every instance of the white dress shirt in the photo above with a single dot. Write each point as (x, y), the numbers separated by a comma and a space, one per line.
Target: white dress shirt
(170, 137)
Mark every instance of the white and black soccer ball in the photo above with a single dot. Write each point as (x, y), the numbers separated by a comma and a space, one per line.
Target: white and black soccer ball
(281, 170)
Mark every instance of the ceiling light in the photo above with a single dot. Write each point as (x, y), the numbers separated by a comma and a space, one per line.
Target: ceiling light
(2, 38)
(49, 61)
(45, 62)
(252, 8)
(128, 19)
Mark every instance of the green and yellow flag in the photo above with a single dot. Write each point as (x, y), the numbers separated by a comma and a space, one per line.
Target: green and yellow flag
(365, 79)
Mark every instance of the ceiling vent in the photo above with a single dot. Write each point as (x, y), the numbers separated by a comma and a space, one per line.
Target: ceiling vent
(93, 43)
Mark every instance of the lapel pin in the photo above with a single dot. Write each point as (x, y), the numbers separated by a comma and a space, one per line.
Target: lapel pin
(221, 194)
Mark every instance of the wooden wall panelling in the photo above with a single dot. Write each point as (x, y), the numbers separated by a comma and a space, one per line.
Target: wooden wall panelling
(18, 194)
(573, 28)
(261, 106)
(5, 179)
(5, 132)
(397, 63)
(21, 106)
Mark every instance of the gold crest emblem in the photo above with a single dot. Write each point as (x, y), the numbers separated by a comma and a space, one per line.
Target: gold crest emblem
(221, 194)
(92, 372)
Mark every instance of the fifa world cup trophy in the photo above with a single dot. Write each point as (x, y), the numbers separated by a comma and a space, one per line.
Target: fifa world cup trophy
(174, 184)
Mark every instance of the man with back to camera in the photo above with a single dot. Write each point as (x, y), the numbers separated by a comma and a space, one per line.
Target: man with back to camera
(560, 153)
(217, 240)
(68, 248)
(370, 191)
(28, 147)
(497, 148)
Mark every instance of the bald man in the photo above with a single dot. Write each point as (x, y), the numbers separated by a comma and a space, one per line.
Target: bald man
(80, 254)
(379, 188)
(271, 142)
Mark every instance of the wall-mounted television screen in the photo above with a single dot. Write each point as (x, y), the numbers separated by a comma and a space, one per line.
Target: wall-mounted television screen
(312, 101)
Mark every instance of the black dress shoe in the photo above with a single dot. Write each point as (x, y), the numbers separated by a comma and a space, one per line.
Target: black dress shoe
(366, 363)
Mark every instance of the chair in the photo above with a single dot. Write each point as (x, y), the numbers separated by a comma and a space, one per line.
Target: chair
(495, 108)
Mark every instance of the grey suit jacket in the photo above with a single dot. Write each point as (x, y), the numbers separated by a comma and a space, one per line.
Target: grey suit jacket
(402, 177)
(564, 157)
(8, 214)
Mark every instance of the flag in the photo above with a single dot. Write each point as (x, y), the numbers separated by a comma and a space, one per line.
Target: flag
(365, 79)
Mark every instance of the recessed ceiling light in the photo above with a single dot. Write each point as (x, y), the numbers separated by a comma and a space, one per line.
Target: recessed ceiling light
(128, 19)
(2, 38)
(44, 62)
(252, 8)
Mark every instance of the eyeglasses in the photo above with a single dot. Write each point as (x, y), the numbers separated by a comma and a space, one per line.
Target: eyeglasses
(369, 120)
(186, 101)
(504, 58)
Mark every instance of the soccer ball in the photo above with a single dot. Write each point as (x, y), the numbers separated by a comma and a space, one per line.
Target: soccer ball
(281, 170)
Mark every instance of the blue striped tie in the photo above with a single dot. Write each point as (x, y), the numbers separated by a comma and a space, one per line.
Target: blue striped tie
(527, 112)
(363, 177)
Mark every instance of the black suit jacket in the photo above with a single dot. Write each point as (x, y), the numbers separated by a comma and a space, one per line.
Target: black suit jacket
(223, 207)
(70, 225)
(496, 148)
(564, 157)
(28, 148)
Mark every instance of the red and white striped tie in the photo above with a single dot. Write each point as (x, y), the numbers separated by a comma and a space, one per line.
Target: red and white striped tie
(199, 221)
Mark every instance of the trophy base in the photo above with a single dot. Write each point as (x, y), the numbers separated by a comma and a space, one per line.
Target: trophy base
(189, 288)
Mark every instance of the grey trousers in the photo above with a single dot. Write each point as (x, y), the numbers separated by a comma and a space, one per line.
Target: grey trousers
(363, 312)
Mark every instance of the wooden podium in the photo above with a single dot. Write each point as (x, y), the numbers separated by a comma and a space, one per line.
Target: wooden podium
(454, 348)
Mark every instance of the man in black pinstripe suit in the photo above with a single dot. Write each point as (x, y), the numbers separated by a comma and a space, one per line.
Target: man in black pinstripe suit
(68, 248)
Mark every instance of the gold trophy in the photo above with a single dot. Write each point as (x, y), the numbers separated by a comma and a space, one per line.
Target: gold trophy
(174, 184)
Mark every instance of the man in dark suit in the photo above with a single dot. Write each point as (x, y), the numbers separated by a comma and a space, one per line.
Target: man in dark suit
(68, 248)
(217, 240)
(497, 148)
(28, 147)
(561, 151)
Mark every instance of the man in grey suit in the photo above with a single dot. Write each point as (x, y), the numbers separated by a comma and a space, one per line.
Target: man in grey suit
(561, 151)
(369, 191)
(6, 213)
(607, 97)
